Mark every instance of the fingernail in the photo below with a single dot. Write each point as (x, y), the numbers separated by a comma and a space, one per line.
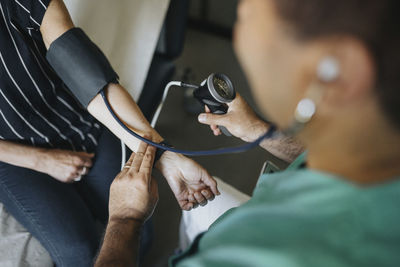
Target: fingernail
(202, 118)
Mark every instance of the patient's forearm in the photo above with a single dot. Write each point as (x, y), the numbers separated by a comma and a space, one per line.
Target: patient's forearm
(127, 111)
(56, 22)
(18, 154)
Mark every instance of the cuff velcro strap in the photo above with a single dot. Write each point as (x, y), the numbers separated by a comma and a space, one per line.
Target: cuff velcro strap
(81, 65)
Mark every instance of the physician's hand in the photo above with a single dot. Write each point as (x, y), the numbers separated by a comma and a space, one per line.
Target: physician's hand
(191, 183)
(134, 192)
(240, 120)
(64, 165)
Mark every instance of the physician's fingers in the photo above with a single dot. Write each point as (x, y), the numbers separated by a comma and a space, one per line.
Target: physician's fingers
(137, 160)
(212, 119)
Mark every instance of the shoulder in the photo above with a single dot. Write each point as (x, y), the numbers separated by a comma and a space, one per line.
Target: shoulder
(27, 13)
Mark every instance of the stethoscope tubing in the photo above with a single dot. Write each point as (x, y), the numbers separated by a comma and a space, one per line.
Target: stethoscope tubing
(269, 134)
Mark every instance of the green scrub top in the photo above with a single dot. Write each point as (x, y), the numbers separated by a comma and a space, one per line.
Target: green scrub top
(301, 217)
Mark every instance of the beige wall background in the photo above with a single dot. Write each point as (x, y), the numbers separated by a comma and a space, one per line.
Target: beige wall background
(126, 30)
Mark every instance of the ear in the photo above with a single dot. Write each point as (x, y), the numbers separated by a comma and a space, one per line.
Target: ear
(357, 74)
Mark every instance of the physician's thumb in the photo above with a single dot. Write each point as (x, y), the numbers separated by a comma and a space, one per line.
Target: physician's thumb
(208, 118)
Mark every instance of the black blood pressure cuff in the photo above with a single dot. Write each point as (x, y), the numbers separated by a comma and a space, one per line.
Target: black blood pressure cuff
(81, 65)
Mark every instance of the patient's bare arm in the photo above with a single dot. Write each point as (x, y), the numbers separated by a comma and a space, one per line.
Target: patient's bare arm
(63, 165)
(190, 182)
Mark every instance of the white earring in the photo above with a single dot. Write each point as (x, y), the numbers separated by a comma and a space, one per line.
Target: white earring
(305, 110)
(328, 69)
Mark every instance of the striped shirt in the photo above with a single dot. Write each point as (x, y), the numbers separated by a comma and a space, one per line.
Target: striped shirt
(36, 108)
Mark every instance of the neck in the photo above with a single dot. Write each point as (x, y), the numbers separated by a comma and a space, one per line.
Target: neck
(360, 150)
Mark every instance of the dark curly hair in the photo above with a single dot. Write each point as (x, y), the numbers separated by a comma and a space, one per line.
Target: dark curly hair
(376, 23)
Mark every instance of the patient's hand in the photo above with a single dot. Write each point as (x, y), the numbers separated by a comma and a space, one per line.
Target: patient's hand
(191, 183)
(63, 165)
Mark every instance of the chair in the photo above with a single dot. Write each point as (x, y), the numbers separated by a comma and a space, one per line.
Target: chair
(169, 47)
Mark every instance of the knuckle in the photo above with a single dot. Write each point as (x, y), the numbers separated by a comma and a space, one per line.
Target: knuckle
(76, 160)
(140, 154)
(129, 175)
(141, 183)
(74, 169)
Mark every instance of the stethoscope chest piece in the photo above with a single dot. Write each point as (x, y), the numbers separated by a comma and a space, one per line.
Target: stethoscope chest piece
(215, 92)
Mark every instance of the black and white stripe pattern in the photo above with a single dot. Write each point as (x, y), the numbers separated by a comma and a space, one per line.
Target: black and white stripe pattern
(35, 106)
